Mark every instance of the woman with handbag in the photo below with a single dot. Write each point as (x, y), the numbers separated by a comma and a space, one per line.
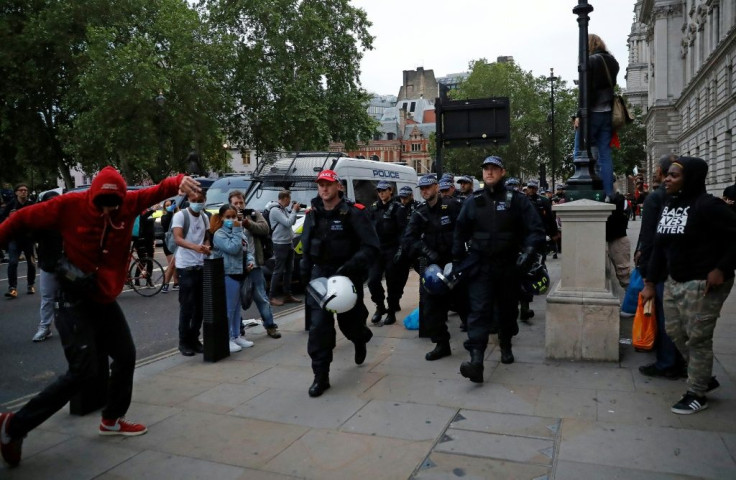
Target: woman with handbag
(230, 245)
(602, 72)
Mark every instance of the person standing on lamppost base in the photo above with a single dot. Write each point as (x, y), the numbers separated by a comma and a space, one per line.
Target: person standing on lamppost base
(504, 232)
(694, 254)
(21, 244)
(338, 239)
(389, 220)
(96, 228)
(429, 235)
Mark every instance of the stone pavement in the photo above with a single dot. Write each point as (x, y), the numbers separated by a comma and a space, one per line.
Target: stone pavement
(399, 416)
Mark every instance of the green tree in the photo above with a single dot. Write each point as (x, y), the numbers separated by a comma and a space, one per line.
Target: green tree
(633, 140)
(295, 77)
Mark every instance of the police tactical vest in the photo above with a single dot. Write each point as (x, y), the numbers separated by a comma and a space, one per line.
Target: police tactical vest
(385, 222)
(496, 230)
(439, 225)
(334, 240)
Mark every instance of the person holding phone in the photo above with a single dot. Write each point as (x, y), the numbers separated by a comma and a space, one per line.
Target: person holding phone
(282, 218)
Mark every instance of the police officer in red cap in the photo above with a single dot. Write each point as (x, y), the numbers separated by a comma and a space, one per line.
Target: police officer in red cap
(338, 239)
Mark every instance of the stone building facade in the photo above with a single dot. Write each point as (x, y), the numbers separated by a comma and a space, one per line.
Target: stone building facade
(682, 73)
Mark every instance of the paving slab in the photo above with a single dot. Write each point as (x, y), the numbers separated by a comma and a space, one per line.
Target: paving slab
(567, 403)
(167, 390)
(657, 449)
(636, 408)
(408, 421)
(155, 465)
(443, 466)
(566, 375)
(459, 393)
(503, 447)
(75, 459)
(225, 439)
(223, 397)
(567, 470)
(506, 424)
(328, 411)
(330, 455)
(448, 367)
(228, 370)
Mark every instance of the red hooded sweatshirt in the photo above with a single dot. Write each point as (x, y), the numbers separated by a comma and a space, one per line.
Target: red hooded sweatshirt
(93, 241)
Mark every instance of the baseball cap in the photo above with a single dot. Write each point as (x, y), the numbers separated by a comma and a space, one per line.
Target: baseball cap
(445, 184)
(533, 184)
(427, 180)
(464, 179)
(493, 160)
(405, 191)
(383, 185)
(328, 175)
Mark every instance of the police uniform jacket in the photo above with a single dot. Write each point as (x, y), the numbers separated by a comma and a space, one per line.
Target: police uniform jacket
(544, 209)
(496, 224)
(432, 228)
(341, 237)
(389, 220)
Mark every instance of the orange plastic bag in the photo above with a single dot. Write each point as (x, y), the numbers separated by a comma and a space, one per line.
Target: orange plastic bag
(644, 330)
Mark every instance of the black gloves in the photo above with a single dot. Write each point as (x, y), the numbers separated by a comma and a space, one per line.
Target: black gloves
(398, 255)
(432, 256)
(526, 259)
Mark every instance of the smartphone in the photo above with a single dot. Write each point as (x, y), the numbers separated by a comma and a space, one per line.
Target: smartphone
(249, 212)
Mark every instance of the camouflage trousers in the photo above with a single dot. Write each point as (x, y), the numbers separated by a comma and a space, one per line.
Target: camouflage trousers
(690, 319)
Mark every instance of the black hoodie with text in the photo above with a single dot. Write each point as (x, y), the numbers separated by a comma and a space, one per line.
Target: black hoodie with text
(695, 231)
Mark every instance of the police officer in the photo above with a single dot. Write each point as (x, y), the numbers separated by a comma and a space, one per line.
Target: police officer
(406, 195)
(497, 224)
(512, 184)
(466, 186)
(389, 219)
(338, 239)
(430, 235)
(447, 187)
(544, 208)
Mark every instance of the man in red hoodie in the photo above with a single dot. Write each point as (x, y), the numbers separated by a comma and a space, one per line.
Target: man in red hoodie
(96, 227)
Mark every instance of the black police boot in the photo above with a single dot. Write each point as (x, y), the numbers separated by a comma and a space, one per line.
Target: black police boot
(525, 313)
(507, 356)
(360, 347)
(321, 383)
(390, 318)
(473, 370)
(442, 349)
(380, 310)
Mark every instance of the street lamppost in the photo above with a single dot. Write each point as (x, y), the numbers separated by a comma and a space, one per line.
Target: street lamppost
(160, 100)
(552, 79)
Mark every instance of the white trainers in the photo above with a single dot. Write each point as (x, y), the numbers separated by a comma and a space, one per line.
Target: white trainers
(242, 342)
(234, 347)
(42, 334)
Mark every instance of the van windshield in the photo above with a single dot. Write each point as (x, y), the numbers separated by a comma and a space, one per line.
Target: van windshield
(219, 191)
(302, 192)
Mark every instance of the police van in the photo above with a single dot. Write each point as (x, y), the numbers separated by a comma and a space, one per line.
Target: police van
(297, 173)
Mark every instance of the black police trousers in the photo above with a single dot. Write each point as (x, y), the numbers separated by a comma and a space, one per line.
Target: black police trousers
(89, 332)
(384, 263)
(493, 294)
(435, 309)
(322, 333)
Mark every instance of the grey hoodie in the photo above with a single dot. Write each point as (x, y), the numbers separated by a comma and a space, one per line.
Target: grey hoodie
(281, 221)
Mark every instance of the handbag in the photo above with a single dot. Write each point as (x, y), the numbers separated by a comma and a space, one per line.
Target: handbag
(247, 289)
(636, 284)
(644, 329)
(620, 114)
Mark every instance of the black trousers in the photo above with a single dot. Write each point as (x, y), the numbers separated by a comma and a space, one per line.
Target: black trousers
(394, 285)
(190, 304)
(493, 295)
(436, 307)
(322, 333)
(89, 332)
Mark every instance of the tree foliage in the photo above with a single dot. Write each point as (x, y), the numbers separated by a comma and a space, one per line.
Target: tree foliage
(531, 132)
(295, 78)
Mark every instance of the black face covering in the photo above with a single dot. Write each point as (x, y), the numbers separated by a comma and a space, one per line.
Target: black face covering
(694, 171)
(107, 200)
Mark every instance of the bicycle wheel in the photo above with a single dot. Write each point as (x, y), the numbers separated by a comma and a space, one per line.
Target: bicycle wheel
(141, 281)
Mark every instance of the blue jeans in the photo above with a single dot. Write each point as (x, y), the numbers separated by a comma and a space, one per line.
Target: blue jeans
(601, 132)
(232, 297)
(260, 297)
(190, 304)
(15, 248)
(48, 286)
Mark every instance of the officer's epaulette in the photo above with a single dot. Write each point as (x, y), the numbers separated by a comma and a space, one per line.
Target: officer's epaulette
(359, 206)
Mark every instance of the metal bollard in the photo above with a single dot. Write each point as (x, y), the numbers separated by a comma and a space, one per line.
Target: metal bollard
(214, 314)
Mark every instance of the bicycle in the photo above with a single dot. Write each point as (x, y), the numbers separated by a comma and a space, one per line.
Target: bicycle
(145, 275)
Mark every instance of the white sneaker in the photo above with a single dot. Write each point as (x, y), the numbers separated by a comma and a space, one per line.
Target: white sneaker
(234, 347)
(242, 342)
(42, 334)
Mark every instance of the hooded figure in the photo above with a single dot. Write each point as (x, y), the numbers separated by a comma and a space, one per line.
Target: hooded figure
(695, 255)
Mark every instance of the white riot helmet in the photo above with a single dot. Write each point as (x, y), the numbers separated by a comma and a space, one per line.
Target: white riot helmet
(335, 294)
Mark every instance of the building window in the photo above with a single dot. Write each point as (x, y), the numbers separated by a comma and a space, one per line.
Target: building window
(416, 147)
(412, 106)
(377, 136)
(245, 157)
(391, 136)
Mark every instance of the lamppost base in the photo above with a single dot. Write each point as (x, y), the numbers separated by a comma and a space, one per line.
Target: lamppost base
(579, 192)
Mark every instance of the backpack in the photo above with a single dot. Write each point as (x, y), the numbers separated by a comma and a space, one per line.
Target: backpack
(169, 235)
(266, 240)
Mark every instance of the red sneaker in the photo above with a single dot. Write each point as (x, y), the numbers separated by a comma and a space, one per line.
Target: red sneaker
(9, 447)
(120, 426)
